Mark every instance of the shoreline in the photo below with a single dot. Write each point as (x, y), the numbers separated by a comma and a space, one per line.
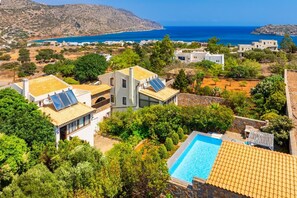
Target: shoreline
(39, 39)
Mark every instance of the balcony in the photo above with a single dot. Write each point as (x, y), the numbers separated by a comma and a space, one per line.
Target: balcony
(102, 105)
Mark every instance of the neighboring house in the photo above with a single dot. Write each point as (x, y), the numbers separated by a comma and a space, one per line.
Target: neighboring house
(262, 44)
(137, 87)
(197, 56)
(72, 111)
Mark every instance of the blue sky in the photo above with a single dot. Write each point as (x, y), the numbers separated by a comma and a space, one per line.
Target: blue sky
(204, 12)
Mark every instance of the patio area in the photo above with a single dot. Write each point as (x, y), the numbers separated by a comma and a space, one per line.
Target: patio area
(104, 144)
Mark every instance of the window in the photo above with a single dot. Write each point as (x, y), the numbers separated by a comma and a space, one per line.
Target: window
(112, 98)
(111, 81)
(100, 100)
(78, 124)
(124, 83)
(146, 101)
(124, 101)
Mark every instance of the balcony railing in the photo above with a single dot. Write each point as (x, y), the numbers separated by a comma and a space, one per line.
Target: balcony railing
(101, 104)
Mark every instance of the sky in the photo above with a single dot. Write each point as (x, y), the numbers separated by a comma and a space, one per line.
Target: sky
(203, 12)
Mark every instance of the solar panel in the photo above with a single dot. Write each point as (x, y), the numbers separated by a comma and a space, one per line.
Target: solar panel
(160, 83)
(57, 102)
(64, 99)
(71, 97)
(154, 85)
(157, 84)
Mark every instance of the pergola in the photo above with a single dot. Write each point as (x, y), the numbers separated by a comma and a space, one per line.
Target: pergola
(261, 139)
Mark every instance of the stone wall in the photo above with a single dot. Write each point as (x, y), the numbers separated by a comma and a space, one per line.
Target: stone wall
(198, 189)
(239, 124)
(185, 99)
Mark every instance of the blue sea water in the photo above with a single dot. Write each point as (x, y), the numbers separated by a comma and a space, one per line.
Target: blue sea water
(197, 159)
(227, 35)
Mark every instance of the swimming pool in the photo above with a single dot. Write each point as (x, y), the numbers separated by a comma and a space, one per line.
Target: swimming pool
(197, 158)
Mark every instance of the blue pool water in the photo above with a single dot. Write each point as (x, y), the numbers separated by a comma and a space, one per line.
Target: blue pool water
(197, 159)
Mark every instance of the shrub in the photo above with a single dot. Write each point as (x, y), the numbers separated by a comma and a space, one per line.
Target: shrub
(71, 81)
(175, 138)
(163, 151)
(269, 116)
(180, 133)
(27, 69)
(169, 144)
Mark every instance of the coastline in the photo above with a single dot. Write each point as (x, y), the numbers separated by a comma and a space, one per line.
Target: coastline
(40, 39)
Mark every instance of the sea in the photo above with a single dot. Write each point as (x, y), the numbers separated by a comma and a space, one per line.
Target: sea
(233, 35)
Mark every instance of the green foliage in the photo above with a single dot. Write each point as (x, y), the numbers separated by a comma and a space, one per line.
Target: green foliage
(11, 66)
(215, 48)
(269, 116)
(36, 182)
(5, 57)
(141, 175)
(71, 81)
(126, 59)
(280, 127)
(163, 151)
(247, 69)
(14, 158)
(45, 55)
(23, 119)
(24, 55)
(175, 138)
(88, 67)
(169, 144)
(181, 81)
(180, 133)
(206, 64)
(162, 55)
(269, 94)
(287, 44)
(27, 69)
(64, 67)
(262, 56)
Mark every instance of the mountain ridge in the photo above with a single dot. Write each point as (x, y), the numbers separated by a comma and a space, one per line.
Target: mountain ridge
(27, 19)
(279, 30)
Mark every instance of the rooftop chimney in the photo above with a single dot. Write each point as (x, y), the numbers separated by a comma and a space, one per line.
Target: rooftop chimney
(25, 88)
(131, 85)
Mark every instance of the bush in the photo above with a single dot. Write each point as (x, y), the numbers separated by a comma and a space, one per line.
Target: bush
(71, 81)
(175, 138)
(269, 116)
(27, 69)
(5, 57)
(180, 133)
(169, 144)
(163, 151)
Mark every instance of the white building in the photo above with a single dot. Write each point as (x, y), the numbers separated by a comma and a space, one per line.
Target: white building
(262, 44)
(137, 87)
(198, 56)
(75, 112)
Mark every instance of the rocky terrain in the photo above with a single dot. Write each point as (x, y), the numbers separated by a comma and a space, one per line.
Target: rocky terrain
(277, 30)
(28, 19)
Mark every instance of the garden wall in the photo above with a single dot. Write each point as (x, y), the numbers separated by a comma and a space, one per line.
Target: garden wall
(239, 124)
(186, 99)
(198, 189)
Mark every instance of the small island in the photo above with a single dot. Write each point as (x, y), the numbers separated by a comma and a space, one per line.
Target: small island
(277, 30)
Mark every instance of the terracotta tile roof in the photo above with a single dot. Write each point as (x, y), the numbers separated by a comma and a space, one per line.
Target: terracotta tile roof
(254, 172)
(162, 95)
(139, 73)
(45, 85)
(66, 115)
(94, 89)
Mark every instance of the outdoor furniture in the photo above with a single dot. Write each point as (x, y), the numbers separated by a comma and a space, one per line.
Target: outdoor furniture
(261, 139)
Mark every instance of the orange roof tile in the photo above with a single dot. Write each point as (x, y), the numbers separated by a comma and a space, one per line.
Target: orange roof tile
(254, 172)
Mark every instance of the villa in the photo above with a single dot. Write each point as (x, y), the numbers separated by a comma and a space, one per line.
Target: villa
(206, 165)
(74, 111)
(136, 87)
(198, 56)
(262, 44)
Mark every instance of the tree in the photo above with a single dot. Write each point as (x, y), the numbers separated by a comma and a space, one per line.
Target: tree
(276, 101)
(280, 127)
(88, 67)
(36, 182)
(14, 158)
(45, 55)
(181, 81)
(162, 54)
(169, 144)
(27, 69)
(24, 55)
(126, 59)
(5, 57)
(287, 44)
(23, 119)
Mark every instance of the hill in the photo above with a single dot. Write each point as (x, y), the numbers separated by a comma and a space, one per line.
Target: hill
(277, 30)
(28, 19)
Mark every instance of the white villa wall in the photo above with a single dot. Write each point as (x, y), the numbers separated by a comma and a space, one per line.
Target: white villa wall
(86, 133)
(83, 96)
(98, 117)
